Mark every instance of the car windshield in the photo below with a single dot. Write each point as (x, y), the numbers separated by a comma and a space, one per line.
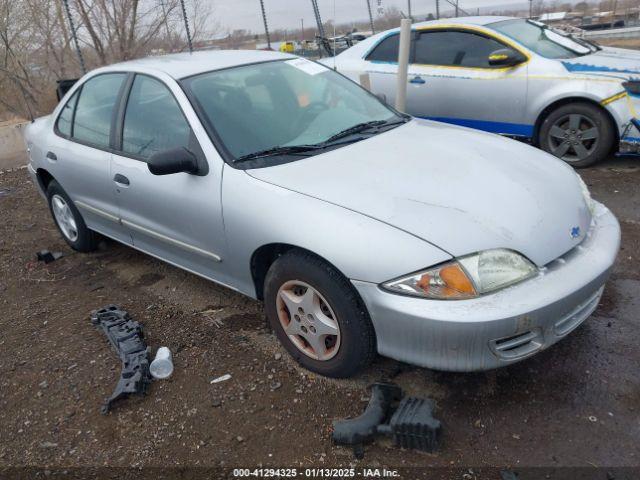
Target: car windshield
(541, 39)
(286, 108)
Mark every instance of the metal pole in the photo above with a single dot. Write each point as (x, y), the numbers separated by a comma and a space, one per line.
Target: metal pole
(266, 27)
(186, 26)
(530, 8)
(437, 9)
(457, 8)
(409, 8)
(74, 36)
(403, 64)
(373, 30)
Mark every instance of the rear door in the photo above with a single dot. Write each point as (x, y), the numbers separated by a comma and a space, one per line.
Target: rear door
(450, 80)
(176, 217)
(79, 157)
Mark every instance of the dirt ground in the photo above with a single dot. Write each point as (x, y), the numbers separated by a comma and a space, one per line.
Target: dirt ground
(574, 405)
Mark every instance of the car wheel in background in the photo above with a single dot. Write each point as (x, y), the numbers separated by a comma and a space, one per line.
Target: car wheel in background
(581, 134)
(69, 221)
(318, 315)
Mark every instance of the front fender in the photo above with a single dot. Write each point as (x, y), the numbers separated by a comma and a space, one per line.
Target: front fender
(258, 213)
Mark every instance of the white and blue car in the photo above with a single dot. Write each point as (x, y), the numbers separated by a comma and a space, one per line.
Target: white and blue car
(512, 76)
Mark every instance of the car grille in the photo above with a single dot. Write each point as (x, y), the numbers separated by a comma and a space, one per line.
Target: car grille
(517, 346)
(578, 314)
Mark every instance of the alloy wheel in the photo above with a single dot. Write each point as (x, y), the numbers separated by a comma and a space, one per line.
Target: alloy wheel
(573, 137)
(64, 217)
(308, 320)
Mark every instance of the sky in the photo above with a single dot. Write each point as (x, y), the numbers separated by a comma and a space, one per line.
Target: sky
(245, 14)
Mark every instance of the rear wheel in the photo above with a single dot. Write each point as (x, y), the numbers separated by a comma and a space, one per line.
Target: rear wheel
(318, 316)
(69, 221)
(579, 133)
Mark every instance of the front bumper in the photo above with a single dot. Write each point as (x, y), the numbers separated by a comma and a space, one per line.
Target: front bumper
(503, 327)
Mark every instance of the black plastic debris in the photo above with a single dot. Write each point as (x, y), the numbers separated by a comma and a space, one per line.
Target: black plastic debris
(408, 421)
(126, 337)
(47, 257)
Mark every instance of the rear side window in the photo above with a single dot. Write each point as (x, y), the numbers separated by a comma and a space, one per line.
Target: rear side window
(66, 116)
(451, 48)
(386, 50)
(153, 121)
(94, 110)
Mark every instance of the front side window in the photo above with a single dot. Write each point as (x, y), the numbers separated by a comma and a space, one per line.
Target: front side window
(66, 116)
(296, 106)
(94, 110)
(153, 121)
(455, 48)
(540, 39)
(386, 50)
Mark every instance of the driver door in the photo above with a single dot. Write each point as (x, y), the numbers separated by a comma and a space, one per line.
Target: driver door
(451, 80)
(176, 217)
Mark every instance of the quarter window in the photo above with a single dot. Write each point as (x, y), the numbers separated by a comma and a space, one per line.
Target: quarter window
(386, 50)
(451, 48)
(153, 120)
(94, 110)
(66, 116)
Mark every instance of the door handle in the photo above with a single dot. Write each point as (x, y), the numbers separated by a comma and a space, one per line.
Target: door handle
(121, 179)
(52, 156)
(417, 80)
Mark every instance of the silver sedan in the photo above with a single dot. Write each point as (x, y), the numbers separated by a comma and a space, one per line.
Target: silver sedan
(363, 230)
(514, 77)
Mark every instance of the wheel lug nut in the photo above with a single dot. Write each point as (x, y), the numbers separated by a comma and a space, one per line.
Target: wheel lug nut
(300, 310)
(310, 317)
(312, 328)
(303, 328)
(297, 318)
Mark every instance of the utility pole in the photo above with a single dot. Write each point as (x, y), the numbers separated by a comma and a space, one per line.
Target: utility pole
(437, 9)
(373, 30)
(186, 26)
(74, 34)
(530, 9)
(457, 14)
(409, 9)
(266, 27)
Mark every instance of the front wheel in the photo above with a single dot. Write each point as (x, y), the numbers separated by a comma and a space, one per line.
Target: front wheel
(69, 221)
(579, 133)
(318, 316)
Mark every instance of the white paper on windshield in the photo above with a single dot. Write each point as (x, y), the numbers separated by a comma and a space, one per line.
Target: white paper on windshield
(311, 68)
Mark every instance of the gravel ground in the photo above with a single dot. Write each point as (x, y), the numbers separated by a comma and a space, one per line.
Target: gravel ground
(574, 405)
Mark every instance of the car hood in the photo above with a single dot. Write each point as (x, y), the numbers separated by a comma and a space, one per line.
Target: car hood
(618, 62)
(459, 189)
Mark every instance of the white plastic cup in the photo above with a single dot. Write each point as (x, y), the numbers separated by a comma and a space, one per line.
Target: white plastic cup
(162, 366)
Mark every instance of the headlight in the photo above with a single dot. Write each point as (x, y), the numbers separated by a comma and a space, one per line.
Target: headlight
(586, 194)
(466, 277)
(632, 86)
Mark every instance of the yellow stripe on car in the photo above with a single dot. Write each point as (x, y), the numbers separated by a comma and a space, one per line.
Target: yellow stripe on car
(613, 98)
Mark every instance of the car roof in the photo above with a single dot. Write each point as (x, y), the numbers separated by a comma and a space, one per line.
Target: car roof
(477, 20)
(181, 65)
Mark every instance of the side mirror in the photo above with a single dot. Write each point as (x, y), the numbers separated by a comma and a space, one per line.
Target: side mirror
(505, 57)
(172, 161)
(382, 97)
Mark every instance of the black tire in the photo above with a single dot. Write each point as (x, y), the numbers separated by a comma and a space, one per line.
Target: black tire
(590, 118)
(357, 344)
(87, 240)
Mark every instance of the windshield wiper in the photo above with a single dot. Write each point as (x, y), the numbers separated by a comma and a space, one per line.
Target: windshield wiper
(283, 150)
(361, 127)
